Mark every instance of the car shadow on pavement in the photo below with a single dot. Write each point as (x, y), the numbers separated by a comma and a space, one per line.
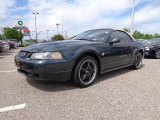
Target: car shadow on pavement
(51, 86)
(109, 75)
(149, 57)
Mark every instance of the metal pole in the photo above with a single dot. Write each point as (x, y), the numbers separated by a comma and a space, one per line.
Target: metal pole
(63, 25)
(57, 28)
(35, 27)
(47, 34)
(2, 32)
(33, 34)
(35, 14)
(132, 18)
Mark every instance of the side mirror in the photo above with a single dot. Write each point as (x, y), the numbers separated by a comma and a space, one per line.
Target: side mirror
(115, 40)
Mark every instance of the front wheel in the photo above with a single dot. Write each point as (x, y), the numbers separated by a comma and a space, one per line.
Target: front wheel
(157, 54)
(85, 71)
(137, 61)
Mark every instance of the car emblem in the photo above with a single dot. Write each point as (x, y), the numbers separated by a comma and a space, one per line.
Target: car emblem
(23, 54)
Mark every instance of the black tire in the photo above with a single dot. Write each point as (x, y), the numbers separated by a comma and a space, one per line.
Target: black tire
(85, 72)
(138, 60)
(157, 54)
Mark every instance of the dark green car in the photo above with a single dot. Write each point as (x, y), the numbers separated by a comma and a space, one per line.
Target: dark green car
(82, 58)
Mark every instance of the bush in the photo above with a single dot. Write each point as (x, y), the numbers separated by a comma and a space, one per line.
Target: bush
(21, 45)
(27, 43)
(57, 37)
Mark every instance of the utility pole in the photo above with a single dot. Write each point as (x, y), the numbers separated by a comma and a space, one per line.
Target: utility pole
(47, 34)
(62, 25)
(132, 18)
(32, 34)
(57, 27)
(2, 32)
(35, 14)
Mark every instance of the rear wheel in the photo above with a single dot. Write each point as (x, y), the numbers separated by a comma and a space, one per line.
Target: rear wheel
(137, 61)
(157, 54)
(85, 71)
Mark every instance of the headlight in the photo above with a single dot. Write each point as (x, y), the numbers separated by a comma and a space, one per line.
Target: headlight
(47, 55)
(147, 48)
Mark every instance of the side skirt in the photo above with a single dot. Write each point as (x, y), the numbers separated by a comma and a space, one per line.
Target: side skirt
(117, 68)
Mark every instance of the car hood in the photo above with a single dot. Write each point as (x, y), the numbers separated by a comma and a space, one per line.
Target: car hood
(150, 44)
(57, 46)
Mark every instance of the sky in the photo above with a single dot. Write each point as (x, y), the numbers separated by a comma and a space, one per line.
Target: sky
(76, 16)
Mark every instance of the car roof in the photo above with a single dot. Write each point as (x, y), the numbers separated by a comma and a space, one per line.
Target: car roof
(101, 29)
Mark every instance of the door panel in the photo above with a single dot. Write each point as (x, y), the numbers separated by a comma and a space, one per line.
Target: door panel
(118, 54)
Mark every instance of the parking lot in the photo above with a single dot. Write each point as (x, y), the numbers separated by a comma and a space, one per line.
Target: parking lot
(121, 95)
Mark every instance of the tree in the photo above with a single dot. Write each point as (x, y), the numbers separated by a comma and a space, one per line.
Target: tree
(57, 37)
(138, 35)
(11, 33)
(156, 35)
(147, 36)
(0, 37)
(126, 30)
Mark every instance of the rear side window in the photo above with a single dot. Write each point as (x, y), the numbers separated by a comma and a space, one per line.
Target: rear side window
(124, 38)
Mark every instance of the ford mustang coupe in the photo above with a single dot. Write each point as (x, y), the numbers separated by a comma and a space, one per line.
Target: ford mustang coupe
(152, 48)
(82, 58)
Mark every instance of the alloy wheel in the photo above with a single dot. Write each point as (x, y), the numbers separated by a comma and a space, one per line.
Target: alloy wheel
(138, 60)
(158, 54)
(87, 71)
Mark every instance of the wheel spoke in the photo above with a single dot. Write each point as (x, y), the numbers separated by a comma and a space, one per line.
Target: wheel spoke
(89, 65)
(84, 76)
(83, 69)
(90, 76)
(91, 70)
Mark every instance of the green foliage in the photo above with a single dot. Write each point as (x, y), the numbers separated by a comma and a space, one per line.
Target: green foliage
(57, 37)
(29, 42)
(0, 37)
(156, 35)
(138, 35)
(126, 30)
(10, 33)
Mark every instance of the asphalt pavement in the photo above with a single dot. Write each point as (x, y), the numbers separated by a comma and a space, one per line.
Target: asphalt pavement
(125, 94)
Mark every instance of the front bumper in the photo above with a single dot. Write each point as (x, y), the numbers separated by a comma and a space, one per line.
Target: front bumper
(149, 53)
(2, 48)
(45, 69)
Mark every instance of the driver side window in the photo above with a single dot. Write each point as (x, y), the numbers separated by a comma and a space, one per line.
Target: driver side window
(114, 35)
(123, 37)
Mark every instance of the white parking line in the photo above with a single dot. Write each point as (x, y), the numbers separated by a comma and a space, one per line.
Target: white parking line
(9, 108)
(6, 61)
(8, 71)
(6, 56)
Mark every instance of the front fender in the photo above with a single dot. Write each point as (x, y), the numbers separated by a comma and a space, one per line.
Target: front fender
(72, 55)
(137, 48)
(86, 49)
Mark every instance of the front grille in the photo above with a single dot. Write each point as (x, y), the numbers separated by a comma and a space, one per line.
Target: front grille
(24, 54)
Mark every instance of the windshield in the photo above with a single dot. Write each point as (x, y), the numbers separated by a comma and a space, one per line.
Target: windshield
(93, 35)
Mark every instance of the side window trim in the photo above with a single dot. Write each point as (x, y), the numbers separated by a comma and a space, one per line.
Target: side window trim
(123, 33)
